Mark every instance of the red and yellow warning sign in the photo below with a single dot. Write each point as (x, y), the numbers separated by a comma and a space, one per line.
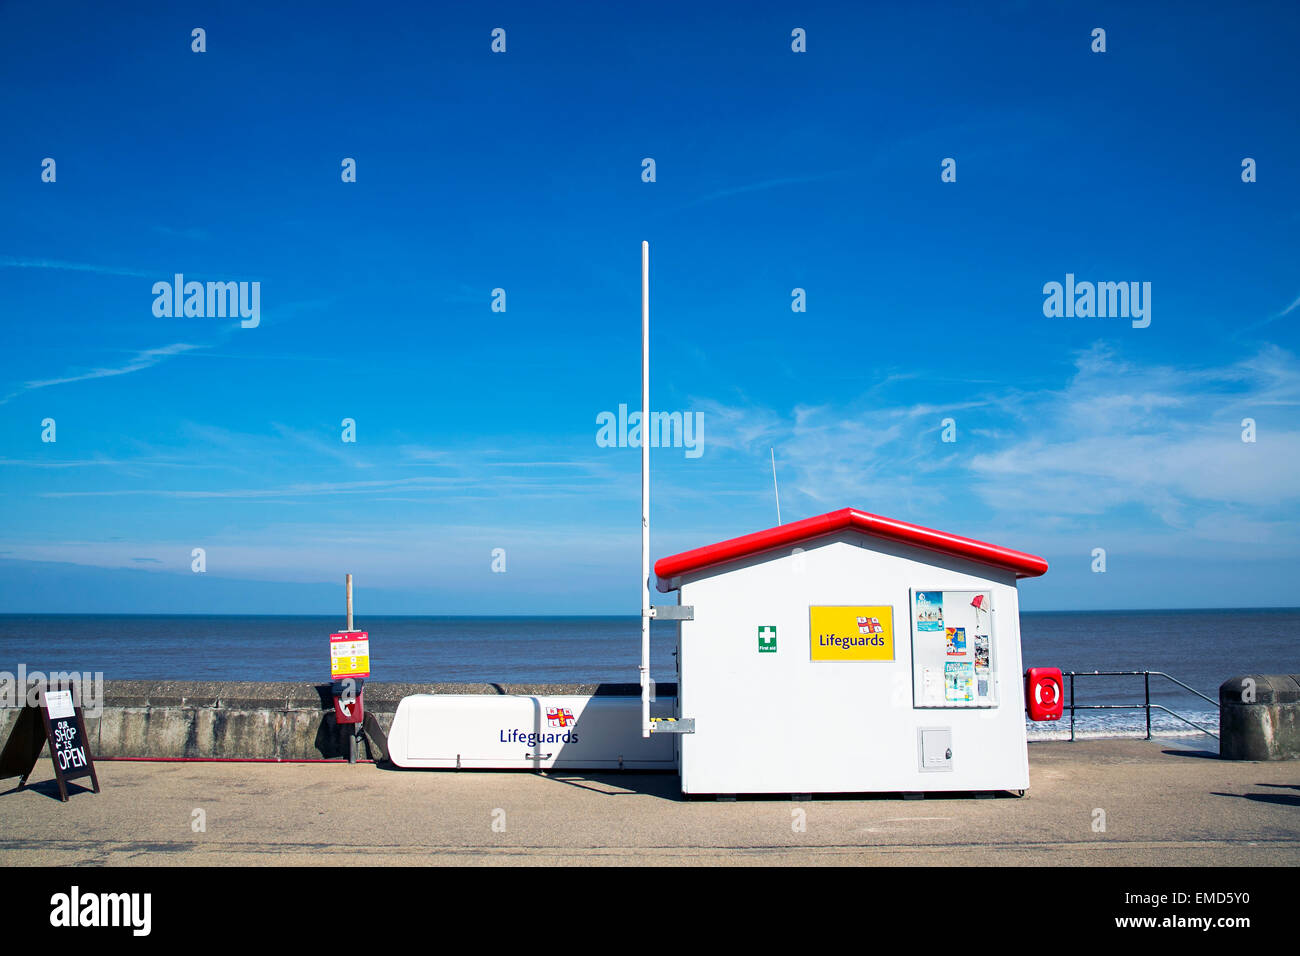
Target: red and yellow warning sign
(349, 654)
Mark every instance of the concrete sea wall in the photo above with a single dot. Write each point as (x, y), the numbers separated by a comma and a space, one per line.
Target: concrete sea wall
(1260, 716)
(276, 721)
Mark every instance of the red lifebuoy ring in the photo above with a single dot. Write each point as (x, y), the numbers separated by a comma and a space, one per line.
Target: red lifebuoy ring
(1044, 693)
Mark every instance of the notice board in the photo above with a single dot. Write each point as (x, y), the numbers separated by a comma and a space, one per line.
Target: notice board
(954, 649)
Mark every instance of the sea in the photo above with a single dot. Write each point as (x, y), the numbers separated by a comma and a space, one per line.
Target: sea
(1200, 648)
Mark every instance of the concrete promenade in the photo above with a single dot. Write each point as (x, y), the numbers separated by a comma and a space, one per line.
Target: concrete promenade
(1164, 804)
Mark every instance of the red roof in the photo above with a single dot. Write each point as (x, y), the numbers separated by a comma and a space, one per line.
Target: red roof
(1025, 565)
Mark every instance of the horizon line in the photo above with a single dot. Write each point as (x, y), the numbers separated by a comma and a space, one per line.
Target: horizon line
(593, 614)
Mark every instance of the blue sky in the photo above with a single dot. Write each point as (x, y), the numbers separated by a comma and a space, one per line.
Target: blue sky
(775, 170)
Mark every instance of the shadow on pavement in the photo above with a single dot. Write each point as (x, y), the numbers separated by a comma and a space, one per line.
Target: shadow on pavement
(667, 786)
(654, 783)
(1204, 754)
(1280, 799)
(50, 788)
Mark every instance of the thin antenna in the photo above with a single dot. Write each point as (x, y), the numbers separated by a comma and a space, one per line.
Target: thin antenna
(775, 488)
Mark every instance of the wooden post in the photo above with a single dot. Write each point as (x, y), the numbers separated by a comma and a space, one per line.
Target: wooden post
(349, 602)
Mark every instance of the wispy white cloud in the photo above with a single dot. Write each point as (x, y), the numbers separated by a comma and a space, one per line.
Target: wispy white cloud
(1164, 438)
(764, 185)
(459, 473)
(460, 487)
(1268, 320)
(19, 262)
(138, 362)
(1153, 449)
(94, 463)
(409, 554)
(345, 453)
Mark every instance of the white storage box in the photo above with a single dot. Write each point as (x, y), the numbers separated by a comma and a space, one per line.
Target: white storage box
(510, 732)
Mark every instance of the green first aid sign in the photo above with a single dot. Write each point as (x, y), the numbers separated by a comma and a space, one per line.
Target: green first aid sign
(767, 640)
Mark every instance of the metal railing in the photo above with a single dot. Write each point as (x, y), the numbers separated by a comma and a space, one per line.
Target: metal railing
(1145, 705)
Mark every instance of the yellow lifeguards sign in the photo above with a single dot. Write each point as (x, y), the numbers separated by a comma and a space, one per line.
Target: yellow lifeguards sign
(851, 633)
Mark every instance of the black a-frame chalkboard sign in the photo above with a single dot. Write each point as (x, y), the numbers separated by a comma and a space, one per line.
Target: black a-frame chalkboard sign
(59, 722)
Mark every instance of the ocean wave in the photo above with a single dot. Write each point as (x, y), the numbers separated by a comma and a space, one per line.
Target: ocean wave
(1128, 724)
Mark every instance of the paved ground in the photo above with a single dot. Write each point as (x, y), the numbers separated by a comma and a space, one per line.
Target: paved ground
(1163, 803)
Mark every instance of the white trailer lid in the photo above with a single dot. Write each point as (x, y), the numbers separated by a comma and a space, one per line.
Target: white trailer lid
(516, 732)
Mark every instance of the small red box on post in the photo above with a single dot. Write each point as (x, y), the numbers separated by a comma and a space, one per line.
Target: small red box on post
(348, 695)
(1044, 693)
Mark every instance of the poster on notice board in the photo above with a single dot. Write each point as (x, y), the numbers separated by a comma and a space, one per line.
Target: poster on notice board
(928, 610)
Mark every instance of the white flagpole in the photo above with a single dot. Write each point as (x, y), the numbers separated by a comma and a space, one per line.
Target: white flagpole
(645, 489)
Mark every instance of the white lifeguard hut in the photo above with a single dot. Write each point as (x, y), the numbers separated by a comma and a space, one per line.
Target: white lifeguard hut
(850, 653)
